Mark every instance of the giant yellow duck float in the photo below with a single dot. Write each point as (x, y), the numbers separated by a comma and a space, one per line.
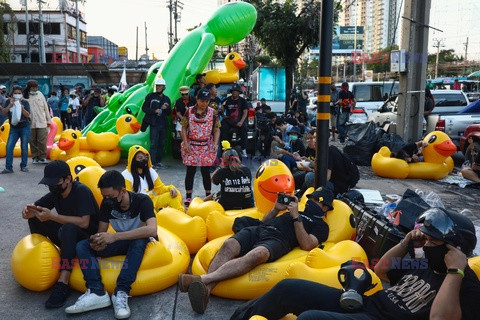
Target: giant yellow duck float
(35, 265)
(233, 63)
(436, 165)
(263, 277)
(4, 132)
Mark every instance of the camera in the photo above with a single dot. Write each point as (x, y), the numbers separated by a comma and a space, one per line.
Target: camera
(285, 199)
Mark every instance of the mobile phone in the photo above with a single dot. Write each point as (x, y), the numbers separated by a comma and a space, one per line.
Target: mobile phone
(31, 207)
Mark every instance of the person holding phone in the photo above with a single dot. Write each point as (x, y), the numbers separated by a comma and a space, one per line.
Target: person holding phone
(75, 218)
(439, 286)
(271, 239)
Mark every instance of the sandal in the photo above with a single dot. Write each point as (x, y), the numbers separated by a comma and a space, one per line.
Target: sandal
(187, 202)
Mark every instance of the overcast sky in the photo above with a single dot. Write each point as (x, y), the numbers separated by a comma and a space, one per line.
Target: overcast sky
(117, 20)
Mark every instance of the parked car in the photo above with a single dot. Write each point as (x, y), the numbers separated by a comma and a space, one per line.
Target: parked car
(371, 95)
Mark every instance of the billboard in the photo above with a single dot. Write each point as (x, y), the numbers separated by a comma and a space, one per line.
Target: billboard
(344, 38)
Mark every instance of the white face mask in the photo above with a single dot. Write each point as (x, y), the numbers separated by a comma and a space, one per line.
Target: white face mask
(17, 96)
(33, 93)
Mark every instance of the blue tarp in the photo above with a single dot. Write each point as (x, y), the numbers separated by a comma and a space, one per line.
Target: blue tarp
(473, 107)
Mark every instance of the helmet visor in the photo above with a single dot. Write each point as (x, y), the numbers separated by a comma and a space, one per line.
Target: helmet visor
(437, 223)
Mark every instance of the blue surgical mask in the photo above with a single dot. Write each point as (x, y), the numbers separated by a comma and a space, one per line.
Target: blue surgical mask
(293, 138)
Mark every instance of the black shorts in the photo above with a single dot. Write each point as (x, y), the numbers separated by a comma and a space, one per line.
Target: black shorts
(263, 236)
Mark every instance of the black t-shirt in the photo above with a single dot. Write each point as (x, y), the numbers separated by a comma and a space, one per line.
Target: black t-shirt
(344, 172)
(413, 291)
(235, 188)
(297, 146)
(79, 202)
(313, 224)
(310, 153)
(215, 103)
(140, 210)
(346, 97)
(92, 103)
(181, 107)
(234, 109)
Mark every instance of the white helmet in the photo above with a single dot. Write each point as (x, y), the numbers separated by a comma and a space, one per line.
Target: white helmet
(73, 93)
(114, 88)
(160, 82)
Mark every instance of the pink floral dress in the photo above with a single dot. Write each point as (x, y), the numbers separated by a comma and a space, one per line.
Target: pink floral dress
(200, 138)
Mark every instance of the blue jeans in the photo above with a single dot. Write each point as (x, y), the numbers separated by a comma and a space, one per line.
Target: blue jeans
(24, 135)
(134, 250)
(342, 119)
(157, 138)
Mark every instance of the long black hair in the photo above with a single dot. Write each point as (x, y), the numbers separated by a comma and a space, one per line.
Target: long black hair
(136, 177)
(30, 84)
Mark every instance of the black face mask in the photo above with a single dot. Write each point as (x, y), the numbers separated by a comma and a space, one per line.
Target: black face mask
(141, 164)
(112, 203)
(57, 189)
(436, 257)
(312, 208)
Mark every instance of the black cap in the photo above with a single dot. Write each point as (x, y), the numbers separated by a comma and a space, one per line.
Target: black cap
(263, 99)
(198, 76)
(210, 86)
(236, 87)
(54, 171)
(345, 84)
(203, 94)
(323, 195)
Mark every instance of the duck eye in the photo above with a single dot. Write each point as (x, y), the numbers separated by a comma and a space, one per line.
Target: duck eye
(79, 168)
(128, 119)
(432, 139)
(128, 110)
(260, 171)
(231, 57)
(74, 135)
(276, 179)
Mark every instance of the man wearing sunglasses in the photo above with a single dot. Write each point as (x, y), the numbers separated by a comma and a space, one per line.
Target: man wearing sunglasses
(442, 286)
(182, 103)
(75, 218)
(133, 219)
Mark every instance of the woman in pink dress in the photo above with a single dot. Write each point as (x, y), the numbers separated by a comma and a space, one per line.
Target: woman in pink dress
(200, 134)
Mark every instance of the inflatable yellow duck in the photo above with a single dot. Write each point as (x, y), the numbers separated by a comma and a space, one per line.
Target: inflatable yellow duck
(233, 63)
(77, 164)
(59, 124)
(4, 132)
(436, 165)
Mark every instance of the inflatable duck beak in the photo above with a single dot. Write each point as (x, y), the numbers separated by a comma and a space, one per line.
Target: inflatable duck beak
(446, 148)
(65, 144)
(135, 126)
(273, 183)
(239, 63)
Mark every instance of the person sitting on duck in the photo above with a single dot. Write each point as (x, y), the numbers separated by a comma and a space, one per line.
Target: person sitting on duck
(140, 177)
(410, 152)
(235, 181)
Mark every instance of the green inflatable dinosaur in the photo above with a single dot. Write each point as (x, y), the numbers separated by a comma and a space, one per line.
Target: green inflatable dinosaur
(228, 25)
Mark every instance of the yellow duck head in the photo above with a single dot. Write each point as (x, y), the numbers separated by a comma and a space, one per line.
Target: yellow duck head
(234, 62)
(272, 177)
(439, 147)
(79, 163)
(4, 131)
(70, 140)
(127, 124)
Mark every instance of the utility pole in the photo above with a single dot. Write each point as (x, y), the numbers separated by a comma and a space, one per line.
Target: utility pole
(42, 56)
(465, 59)
(438, 45)
(355, 47)
(323, 97)
(411, 96)
(170, 33)
(177, 17)
(146, 47)
(79, 56)
(136, 47)
(27, 33)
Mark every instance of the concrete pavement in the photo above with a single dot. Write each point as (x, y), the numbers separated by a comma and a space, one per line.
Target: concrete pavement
(22, 188)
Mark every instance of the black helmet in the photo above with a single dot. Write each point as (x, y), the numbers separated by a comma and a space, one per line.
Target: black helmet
(449, 226)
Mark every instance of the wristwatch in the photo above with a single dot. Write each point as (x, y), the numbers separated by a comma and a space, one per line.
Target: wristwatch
(299, 218)
(456, 271)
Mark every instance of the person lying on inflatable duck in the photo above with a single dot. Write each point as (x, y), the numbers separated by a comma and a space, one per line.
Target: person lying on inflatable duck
(235, 181)
(267, 241)
(410, 152)
(75, 218)
(133, 219)
(441, 286)
(141, 177)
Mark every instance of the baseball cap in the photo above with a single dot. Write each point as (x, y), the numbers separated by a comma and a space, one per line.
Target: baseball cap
(2, 87)
(203, 94)
(210, 86)
(323, 195)
(54, 171)
(236, 87)
(184, 89)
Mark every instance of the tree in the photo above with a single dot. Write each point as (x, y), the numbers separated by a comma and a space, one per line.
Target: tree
(6, 10)
(286, 29)
(380, 62)
(444, 56)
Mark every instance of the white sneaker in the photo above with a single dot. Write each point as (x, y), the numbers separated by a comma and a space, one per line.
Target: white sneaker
(89, 301)
(120, 305)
